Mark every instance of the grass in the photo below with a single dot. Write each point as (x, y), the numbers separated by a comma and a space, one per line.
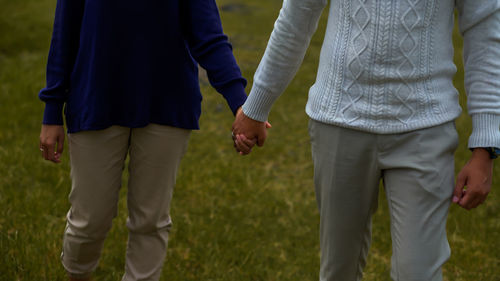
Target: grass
(235, 218)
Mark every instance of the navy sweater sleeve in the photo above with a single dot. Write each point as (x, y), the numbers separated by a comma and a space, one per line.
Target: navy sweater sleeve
(62, 55)
(210, 48)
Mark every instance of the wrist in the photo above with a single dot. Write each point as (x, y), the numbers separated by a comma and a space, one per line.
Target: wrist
(484, 152)
(53, 113)
(238, 111)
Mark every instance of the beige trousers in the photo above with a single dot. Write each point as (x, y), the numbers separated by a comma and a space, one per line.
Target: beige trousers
(417, 169)
(97, 162)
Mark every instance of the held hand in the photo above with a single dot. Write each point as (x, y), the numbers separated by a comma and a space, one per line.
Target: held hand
(243, 145)
(476, 175)
(248, 132)
(52, 142)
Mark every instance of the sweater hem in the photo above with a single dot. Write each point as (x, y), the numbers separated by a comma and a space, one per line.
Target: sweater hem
(98, 127)
(388, 129)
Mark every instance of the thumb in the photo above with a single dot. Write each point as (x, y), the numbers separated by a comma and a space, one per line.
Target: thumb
(459, 187)
(268, 125)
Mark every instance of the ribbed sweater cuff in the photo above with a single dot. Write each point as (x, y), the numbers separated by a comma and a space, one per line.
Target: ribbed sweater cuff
(258, 104)
(485, 130)
(53, 113)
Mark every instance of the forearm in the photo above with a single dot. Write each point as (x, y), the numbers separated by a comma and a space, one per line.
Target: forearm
(62, 55)
(211, 49)
(480, 26)
(284, 54)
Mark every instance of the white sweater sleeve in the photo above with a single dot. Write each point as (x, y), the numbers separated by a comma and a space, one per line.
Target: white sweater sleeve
(479, 22)
(297, 22)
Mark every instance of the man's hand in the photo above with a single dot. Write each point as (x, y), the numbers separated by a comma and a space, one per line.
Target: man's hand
(476, 175)
(248, 132)
(52, 142)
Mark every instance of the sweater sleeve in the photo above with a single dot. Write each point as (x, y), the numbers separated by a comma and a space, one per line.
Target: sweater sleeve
(62, 55)
(293, 30)
(210, 47)
(479, 23)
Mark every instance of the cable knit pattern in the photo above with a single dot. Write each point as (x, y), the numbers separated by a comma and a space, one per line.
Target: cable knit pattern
(408, 45)
(357, 60)
(386, 66)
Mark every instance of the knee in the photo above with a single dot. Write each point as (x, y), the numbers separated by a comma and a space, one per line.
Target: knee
(90, 225)
(149, 225)
(420, 267)
(411, 273)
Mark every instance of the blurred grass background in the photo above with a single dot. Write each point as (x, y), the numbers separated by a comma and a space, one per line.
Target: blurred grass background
(235, 218)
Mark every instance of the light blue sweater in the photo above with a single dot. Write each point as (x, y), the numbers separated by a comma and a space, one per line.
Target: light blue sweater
(386, 66)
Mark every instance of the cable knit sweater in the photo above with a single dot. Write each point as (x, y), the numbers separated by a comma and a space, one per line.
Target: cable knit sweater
(386, 66)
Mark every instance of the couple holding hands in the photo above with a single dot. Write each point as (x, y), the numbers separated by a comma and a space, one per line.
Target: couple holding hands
(382, 107)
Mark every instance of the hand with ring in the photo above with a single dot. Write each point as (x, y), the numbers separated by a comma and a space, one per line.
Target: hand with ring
(52, 142)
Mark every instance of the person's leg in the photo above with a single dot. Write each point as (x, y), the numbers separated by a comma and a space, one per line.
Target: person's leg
(155, 155)
(419, 179)
(97, 159)
(346, 178)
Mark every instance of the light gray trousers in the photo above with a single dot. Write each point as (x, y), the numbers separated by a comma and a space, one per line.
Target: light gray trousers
(97, 162)
(417, 169)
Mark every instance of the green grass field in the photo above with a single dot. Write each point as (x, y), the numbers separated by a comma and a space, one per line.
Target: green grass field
(235, 218)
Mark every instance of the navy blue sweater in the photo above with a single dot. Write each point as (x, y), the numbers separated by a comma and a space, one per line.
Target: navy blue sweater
(131, 63)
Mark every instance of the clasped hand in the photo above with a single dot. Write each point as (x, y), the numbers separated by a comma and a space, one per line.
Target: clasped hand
(247, 132)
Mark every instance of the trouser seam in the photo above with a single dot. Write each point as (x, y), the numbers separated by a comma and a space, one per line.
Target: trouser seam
(391, 214)
(362, 247)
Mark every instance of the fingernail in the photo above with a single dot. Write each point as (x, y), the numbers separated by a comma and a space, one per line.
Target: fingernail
(455, 199)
